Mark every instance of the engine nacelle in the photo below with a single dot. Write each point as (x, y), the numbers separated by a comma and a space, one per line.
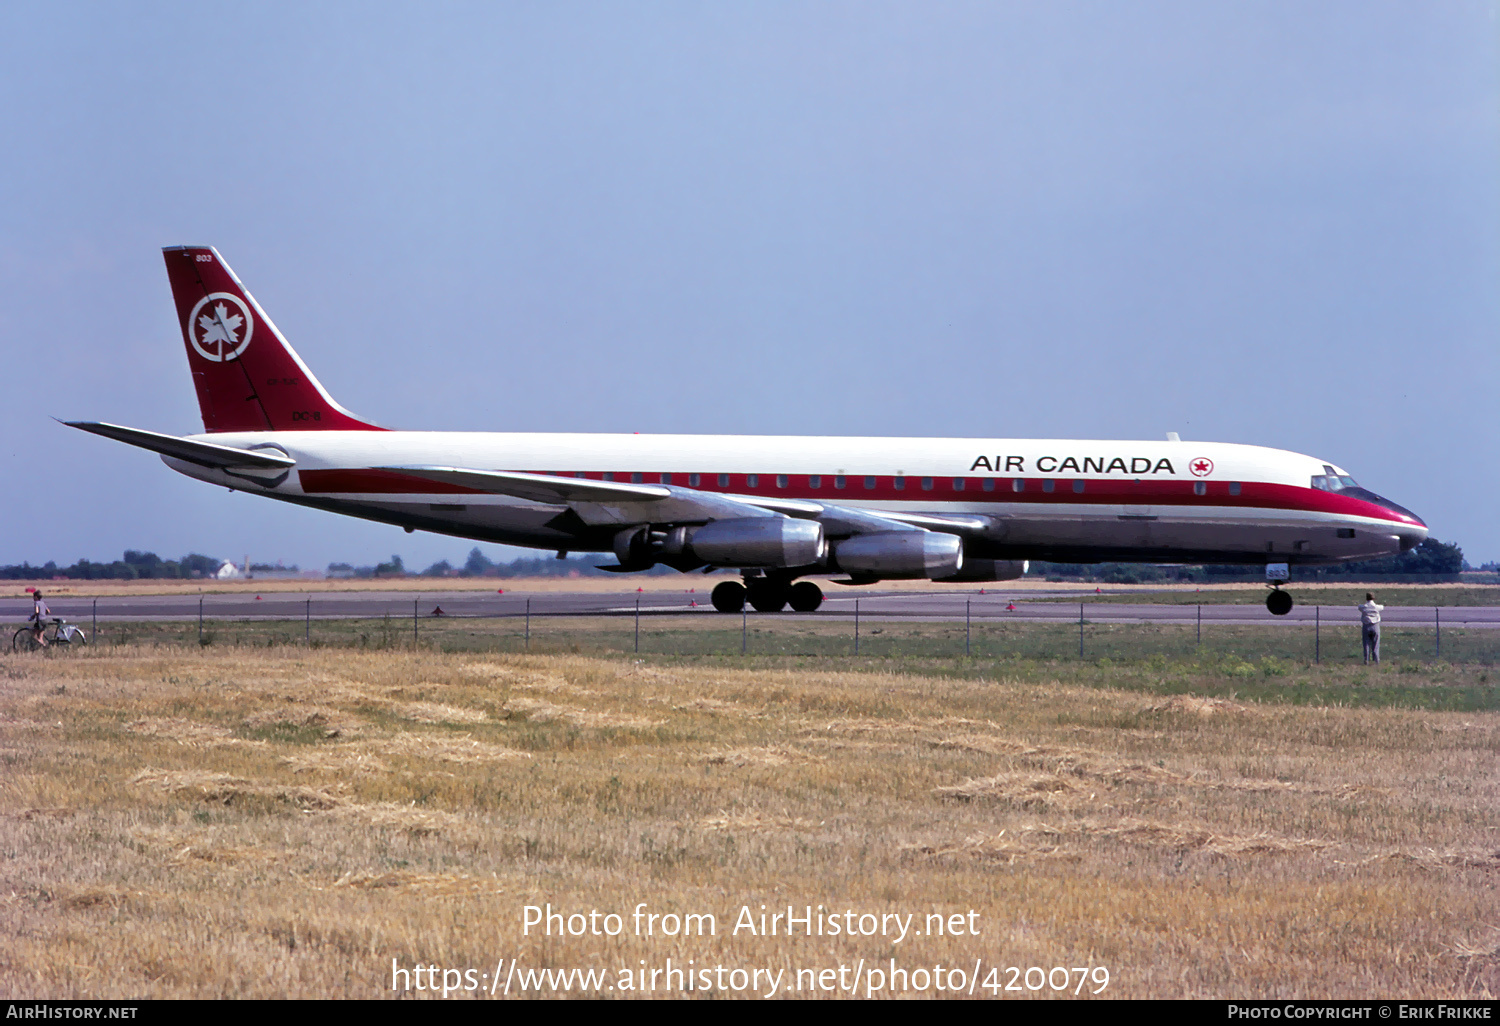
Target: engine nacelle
(757, 542)
(990, 570)
(901, 554)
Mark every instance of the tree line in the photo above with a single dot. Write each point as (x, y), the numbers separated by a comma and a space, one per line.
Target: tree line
(133, 566)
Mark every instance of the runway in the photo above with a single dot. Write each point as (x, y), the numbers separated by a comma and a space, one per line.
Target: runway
(840, 602)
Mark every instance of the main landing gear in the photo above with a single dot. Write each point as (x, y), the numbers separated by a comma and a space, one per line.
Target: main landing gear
(766, 595)
(1278, 602)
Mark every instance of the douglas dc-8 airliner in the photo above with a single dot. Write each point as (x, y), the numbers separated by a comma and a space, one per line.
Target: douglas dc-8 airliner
(774, 508)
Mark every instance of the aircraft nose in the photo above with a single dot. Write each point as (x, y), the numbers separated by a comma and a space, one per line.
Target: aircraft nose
(1413, 532)
(1412, 535)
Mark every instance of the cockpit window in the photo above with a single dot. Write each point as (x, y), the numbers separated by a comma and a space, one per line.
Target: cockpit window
(1333, 482)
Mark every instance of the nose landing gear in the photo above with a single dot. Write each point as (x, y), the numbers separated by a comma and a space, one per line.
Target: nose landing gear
(1278, 602)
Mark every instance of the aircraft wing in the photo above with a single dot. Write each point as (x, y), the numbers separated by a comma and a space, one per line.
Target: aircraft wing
(539, 487)
(623, 502)
(205, 454)
(598, 502)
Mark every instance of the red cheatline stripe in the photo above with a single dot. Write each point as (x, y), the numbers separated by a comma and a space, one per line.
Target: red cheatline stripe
(1097, 491)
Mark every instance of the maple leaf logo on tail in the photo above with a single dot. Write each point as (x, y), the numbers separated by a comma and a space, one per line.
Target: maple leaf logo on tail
(222, 327)
(216, 331)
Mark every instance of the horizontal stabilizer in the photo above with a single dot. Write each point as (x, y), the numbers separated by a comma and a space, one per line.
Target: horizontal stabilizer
(205, 454)
(539, 487)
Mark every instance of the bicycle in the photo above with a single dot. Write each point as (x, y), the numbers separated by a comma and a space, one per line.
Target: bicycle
(63, 633)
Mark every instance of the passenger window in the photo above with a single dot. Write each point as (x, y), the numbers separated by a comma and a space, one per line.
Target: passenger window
(1017, 485)
(1200, 487)
(780, 480)
(926, 484)
(815, 481)
(958, 484)
(988, 484)
(839, 481)
(1048, 485)
(637, 477)
(869, 484)
(666, 479)
(723, 480)
(609, 476)
(752, 480)
(1234, 488)
(1077, 486)
(900, 484)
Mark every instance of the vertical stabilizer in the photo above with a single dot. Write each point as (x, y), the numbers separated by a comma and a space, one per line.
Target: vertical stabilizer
(248, 377)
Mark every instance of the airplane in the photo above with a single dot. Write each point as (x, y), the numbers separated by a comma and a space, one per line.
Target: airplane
(778, 509)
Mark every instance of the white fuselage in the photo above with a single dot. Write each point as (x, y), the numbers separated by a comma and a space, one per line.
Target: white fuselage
(1064, 500)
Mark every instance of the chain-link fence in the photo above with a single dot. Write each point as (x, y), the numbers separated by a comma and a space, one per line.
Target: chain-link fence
(873, 626)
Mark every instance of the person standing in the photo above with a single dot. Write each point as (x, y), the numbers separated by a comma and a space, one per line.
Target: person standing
(39, 614)
(1369, 627)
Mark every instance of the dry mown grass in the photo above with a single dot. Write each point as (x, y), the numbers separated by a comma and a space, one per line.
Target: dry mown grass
(287, 822)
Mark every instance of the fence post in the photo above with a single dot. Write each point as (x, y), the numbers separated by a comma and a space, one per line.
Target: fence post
(1437, 632)
(1200, 624)
(637, 623)
(1317, 634)
(306, 623)
(94, 637)
(200, 619)
(856, 626)
(414, 603)
(528, 625)
(1080, 630)
(966, 626)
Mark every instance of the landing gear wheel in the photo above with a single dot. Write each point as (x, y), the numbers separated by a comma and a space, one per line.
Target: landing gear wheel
(805, 596)
(768, 598)
(1279, 603)
(729, 597)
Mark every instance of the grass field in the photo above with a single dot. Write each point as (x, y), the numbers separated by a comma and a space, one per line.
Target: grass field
(285, 820)
(1281, 664)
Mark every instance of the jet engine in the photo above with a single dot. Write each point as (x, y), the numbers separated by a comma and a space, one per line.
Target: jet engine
(742, 542)
(901, 554)
(753, 541)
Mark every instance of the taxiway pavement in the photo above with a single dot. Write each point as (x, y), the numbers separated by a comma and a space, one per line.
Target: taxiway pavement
(994, 604)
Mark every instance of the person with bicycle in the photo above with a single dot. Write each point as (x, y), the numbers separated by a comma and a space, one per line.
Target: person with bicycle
(39, 613)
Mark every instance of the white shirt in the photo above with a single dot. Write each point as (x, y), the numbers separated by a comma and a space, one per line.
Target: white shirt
(1369, 613)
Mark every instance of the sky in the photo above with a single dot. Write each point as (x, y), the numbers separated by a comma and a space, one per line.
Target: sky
(1270, 223)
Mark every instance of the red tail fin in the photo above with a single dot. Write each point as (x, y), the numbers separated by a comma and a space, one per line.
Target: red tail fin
(248, 378)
